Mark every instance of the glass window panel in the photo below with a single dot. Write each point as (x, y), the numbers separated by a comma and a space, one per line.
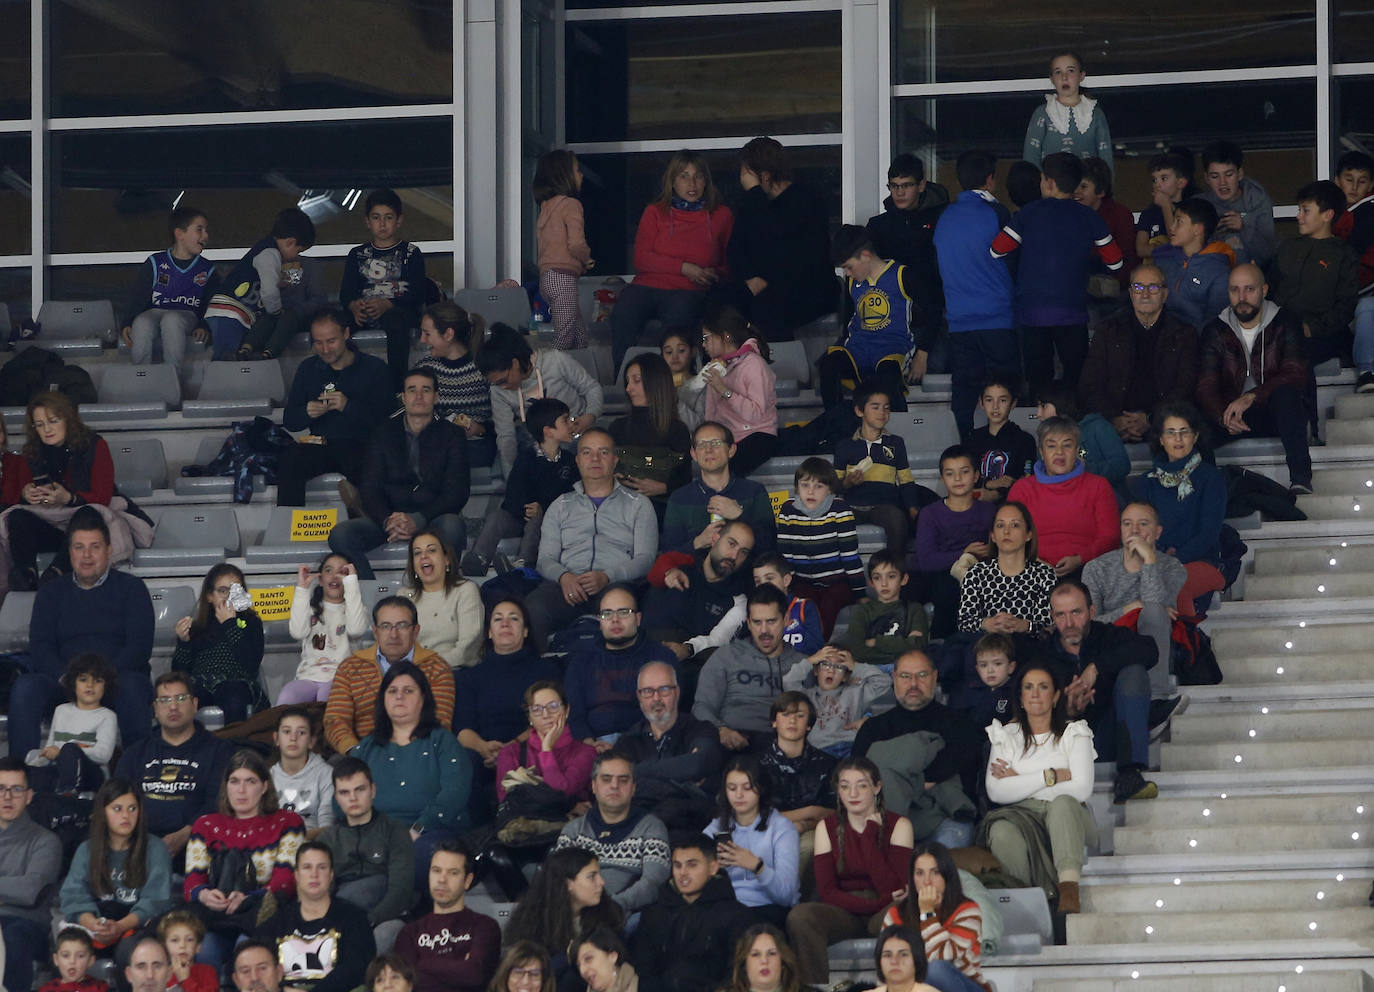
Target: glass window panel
(15, 289)
(1352, 31)
(146, 57)
(15, 74)
(981, 39)
(14, 201)
(618, 187)
(1274, 122)
(1353, 113)
(703, 76)
(116, 187)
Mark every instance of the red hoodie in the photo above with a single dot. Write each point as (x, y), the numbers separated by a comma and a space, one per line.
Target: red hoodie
(667, 238)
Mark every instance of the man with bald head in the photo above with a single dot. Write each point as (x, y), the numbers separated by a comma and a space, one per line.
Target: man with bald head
(597, 534)
(1141, 356)
(697, 603)
(1252, 374)
(148, 966)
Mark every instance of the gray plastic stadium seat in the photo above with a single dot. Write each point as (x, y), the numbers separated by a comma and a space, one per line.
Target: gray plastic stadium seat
(497, 306)
(134, 389)
(927, 432)
(14, 621)
(631, 354)
(200, 536)
(790, 362)
(277, 548)
(1025, 417)
(76, 328)
(585, 358)
(202, 487)
(238, 389)
(1025, 911)
(170, 604)
(140, 466)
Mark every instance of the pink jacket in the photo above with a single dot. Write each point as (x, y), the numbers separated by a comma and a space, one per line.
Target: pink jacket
(668, 238)
(562, 239)
(568, 767)
(753, 406)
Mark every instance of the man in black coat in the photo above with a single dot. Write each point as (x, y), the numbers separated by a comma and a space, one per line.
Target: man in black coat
(416, 479)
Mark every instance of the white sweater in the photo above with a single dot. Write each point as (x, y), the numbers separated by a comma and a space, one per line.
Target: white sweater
(1073, 751)
(97, 731)
(451, 623)
(337, 623)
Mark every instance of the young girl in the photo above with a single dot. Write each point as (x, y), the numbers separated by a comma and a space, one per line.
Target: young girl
(221, 648)
(1070, 121)
(741, 390)
(323, 619)
(760, 851)
(84, 734)
(676, 347)
(304, 780)
(563, 251)
(182, 932)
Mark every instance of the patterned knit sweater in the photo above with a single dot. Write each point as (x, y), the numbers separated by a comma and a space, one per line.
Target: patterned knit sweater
(987, 591)
(227, 651)
(271, 839)
(822, 545)
(462, 388)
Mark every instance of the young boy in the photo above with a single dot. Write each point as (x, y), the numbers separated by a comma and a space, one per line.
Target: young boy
(173, 288)
(182, 932)
(801, 628)
(1171, 182)
(1059, 237)
(905, 230)
(1245, 213)
(841, 692)
(1317, 275)
(978, 288)
(540, 475)
(1002, 452)
(304, 780)
(881, 339)
(1095, 192)
(874, 470)
(947, 530)
(72, 956)
(254, 285)
(1355, 174)
(885, 626)
(84, 733)
(302, 295)
(818, 536)
(1195, 267)
(990, 698)
(384, 280)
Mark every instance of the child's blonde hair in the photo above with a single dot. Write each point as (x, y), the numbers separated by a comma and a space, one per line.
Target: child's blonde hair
(181, 918)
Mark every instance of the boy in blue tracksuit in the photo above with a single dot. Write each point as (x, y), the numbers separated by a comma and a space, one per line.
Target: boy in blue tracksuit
(978, 288)
(801, 627)
(880, 342)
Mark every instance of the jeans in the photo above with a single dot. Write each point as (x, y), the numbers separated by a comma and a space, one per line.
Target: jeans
(1121, 728)
(30, 535)
(1155, 624)
(25, 943)
(677, 309)
(226, 337)
(974, 356)
(952, 833)
(398, 323)
(893, 519)
(37, 694)
(274, 333)
(501, 524)
(1364, 334)
(944, 976)
(171, 326)
(357, 537)
(234, 697)
(550, 611)
(752, 451)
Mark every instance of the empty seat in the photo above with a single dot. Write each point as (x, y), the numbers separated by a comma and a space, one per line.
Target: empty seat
(927, 431)
(497, 306)
(790, 361)
(140, 466)
(78, 328)
(238, 389)
(170, 604)
(14, 621)
(277, 547)
(1025, 912)
(191, 536)
(139, 386)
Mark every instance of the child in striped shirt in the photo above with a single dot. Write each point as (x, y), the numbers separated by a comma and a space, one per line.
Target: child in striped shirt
(818, 536)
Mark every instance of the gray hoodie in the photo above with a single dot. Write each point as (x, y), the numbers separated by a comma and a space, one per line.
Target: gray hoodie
(1255, 242)
(738, 684)
(619, 537)
(553, 374)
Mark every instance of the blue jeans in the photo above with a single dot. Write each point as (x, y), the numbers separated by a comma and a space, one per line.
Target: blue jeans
(944, 976)
(952, 834)
(357, 537)
(1121, 729)
(973, 357)
(25, 943)
(1364, 334)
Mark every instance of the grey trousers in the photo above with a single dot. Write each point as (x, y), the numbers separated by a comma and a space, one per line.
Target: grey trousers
(171, 326)
(1155, 624)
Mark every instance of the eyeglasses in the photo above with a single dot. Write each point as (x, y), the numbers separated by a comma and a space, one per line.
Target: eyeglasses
(1147, 287)
(181, 697)
(1178, 432)
(545, 709)
(388, 627)
(833, 666)
(650, 691)
(900, 187)
(620, 613)
(13, 791)
(533, 974)
(706, 444)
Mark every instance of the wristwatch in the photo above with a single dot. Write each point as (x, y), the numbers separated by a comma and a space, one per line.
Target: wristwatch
(1051, 776)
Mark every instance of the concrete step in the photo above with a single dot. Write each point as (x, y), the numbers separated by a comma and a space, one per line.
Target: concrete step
(1267, 754)
(1328, 559)
(1325, 507)
(1348, 980)
(1336, 481)
(1239, 896)
(1354, 406)
(1350, 431)
(1342, 581)
(1280, 668)
(1249, 839)
(1164, 927)
(1256, 726)
(1241, 642)
(1346, 809)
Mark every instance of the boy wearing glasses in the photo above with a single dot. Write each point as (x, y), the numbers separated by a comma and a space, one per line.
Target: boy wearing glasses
(905, 230)
(1141, 356)
(697, 512)
(840, 691)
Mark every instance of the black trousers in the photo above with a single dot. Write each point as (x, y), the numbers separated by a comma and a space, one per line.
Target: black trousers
(299, 464)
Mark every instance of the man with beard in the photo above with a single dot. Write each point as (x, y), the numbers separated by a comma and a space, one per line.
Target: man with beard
(453, 948)
(697, 603)
(600, 684)
(1253, 374)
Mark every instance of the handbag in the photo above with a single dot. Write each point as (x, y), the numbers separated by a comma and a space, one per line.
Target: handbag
(657, 464)
(533, 812)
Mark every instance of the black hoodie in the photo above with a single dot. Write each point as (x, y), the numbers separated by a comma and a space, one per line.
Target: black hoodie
(689, 946)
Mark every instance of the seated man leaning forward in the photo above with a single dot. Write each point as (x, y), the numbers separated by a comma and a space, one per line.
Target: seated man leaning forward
(416, 478)
(597, 534)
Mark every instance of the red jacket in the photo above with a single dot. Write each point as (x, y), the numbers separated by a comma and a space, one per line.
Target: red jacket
(668, 238)
(1075, 517)
(94, 466)
(1276, 359)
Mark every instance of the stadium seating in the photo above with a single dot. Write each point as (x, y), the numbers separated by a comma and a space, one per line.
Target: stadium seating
(191, 536)
(140, 466)
(497, 306)
(77, 329)
(238, 389)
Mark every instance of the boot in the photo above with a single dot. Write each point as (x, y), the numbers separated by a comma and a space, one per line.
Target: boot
(1068, 898)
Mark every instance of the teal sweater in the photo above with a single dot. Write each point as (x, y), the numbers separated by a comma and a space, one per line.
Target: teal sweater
(148, 901)
(426, 782)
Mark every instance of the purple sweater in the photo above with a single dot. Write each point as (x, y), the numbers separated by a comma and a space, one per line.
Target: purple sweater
(942, 534)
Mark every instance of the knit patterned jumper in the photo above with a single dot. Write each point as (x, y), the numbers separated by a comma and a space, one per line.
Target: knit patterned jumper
(271, 840)
(822, 545)
(462, 387)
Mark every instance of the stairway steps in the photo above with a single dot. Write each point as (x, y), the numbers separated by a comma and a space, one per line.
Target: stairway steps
(1313, 560)
(1348, 980)
(1336, 583)
(1242, 839)
(1345, 808)
(1266, 754)
(1280, 669)
(1165, 927)
(1260, 895)
(1337, 507)
(1348, 431)
(1353, 406)
(1243, 642)
(1312, 725)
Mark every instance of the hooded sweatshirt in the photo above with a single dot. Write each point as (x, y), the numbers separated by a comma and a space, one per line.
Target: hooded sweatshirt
(309, 792)
(1197, 285)
(1235, 360)
(738, 684)
(709, 926)
(552, 375)
(1256, 241)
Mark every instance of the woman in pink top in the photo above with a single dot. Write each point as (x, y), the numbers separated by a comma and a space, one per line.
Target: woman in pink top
(741, 390)
(679, 253)
(551, 752)
(563, 251)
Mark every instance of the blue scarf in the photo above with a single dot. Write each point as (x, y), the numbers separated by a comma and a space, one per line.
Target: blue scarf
(680, 204)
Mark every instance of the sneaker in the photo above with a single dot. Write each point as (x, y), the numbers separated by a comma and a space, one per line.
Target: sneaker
(1365, 383)
(504, 565)
(473, 565)
(1130, 784)
(1162, 711)
(352, 499)
(1300, 489)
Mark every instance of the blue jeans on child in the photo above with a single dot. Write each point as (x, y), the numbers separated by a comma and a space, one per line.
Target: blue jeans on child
(1364, 334)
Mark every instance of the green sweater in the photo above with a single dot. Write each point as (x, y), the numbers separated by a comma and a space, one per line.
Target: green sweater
(888, 625)
(1317, 281)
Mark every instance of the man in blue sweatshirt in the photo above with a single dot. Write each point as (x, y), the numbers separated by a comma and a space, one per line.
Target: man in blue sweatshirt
(97, 610)
(978, 287)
